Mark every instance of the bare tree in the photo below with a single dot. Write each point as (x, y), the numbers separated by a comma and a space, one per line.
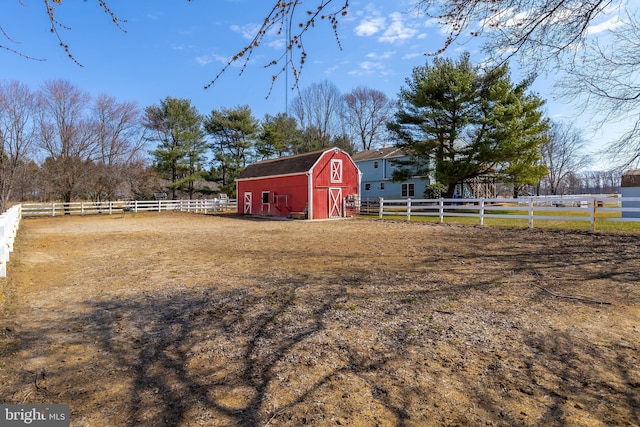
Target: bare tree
(563, 156)
(66, 136)
(17, 111)
(119, 145)
(367, 112)
(291, 19)
(319, 106)
(50, 8)
(605, 79)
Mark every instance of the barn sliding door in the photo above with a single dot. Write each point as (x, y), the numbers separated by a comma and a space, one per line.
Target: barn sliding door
(247, 203)
(335, 202)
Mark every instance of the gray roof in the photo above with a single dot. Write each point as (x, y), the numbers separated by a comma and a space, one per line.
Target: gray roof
(299, 163)
(382, 153)
(631, 178)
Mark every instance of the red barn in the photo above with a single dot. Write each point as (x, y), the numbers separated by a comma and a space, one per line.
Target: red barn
(318, 185)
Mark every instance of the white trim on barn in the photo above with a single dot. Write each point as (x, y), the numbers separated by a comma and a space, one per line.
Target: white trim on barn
(247, 203)
(335, 202)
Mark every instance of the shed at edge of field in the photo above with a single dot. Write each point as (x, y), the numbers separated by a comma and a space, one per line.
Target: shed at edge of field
(630, 187)
(318, 185)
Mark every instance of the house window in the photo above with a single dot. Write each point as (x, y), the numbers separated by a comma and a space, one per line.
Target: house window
(375, 164)
(265, 197)
(408, 190)
(336, 171)
(381, 186)
(367, 187)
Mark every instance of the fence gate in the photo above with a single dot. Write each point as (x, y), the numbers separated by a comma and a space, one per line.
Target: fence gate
(247, 203)
(335, 202)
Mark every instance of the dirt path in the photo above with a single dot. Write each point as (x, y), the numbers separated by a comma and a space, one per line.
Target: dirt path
(177, 319)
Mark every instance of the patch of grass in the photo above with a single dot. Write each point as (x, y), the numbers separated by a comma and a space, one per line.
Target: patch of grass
(578, 225)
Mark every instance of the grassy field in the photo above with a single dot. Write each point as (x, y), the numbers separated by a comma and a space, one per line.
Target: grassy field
(580, 219)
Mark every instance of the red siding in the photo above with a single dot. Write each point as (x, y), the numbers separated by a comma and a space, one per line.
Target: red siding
(322, 181)
(294, 187)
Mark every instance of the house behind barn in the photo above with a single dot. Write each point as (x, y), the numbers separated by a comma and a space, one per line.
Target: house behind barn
(377, 168)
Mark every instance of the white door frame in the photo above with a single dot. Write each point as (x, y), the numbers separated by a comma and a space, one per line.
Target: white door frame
(247, 202)
(335, 202)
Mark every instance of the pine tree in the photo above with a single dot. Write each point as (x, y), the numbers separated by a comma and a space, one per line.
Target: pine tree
(457, 123)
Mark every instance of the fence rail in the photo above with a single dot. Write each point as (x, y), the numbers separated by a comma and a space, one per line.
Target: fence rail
(204, 206)
(532, 209)
(9, 223)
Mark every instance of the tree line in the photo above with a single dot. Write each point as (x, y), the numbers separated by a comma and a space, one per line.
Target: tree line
(59, 143)
(454, 119)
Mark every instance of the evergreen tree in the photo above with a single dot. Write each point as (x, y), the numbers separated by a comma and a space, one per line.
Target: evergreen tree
(278, 137)
(457, 123)
(176, 126)
(234, 132)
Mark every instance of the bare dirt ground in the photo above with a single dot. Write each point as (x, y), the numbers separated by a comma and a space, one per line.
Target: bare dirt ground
(186, 320)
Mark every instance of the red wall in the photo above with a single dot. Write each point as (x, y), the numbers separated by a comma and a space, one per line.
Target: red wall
(322, 181)
(295, 187)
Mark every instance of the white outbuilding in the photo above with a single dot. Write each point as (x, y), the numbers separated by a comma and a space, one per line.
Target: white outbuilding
(630, 187)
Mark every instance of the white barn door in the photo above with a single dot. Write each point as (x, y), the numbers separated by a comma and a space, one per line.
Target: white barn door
(247, 203)
(335, 202)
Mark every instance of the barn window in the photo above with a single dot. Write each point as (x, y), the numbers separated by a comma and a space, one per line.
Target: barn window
(265, 197)
(408, 190)
(382, 186)
(336, 170)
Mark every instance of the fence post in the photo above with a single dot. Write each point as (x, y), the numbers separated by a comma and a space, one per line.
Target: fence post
(482, 211)
(592, 215)
(531, 212)
(441, 210)
(380, 207)
(53, 208)
(81, 208)
(4, 253)
(409, 209)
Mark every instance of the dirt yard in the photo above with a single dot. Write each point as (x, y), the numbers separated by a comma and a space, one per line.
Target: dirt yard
(187, 320)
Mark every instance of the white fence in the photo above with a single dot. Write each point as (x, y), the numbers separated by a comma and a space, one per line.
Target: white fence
(9, 223)
(204, 206)
(555, 208)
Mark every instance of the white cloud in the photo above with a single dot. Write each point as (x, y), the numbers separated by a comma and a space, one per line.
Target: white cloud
(204, 60)
(248, 31)
(397, 31)
(383, 55)
(369, 26)
(609, 24)
(278, 43)
(368, 68)
(207, 59)
(412, 55)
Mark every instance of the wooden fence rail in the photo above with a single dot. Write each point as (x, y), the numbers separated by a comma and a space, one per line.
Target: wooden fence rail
(9, 223)
(203, 206)
(532, 209)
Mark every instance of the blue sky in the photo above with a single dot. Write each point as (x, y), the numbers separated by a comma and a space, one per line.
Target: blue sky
(174, 48)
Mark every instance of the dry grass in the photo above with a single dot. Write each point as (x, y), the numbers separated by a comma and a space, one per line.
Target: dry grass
(182, 319)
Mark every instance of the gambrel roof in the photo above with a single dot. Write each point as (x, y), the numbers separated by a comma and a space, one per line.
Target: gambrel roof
(299, 163)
